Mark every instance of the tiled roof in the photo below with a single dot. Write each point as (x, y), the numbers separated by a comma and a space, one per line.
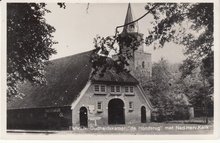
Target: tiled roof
(66, 77)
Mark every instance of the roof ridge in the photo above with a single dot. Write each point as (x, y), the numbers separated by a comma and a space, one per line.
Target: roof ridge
(71, 56)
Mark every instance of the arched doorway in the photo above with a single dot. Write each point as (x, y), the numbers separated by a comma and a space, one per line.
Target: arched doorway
(83, 117)
(116, 112)
(143, 115)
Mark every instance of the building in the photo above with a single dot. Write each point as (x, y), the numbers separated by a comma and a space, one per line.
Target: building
(140, 64)
(72, 97)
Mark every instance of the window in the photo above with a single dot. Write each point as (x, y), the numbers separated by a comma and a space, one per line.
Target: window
(143, 64)
(99, 106)
(129, 89)
(115, 89)
(96, 88)
(112, 88)
(102, 88)
(131, 26)
(126, 89)
(131, 106)
(118, 89)
(99, 88)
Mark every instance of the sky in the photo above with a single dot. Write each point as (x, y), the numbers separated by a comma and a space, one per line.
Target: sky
(76, 27)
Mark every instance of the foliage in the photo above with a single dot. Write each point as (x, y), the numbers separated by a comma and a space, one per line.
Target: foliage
(198, 91)
(114, 51)
(159, 89)
(190, 24)
(29, 44)
(171, 95)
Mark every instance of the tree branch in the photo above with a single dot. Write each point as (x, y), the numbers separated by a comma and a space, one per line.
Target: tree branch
(137, 19)
(116, 29)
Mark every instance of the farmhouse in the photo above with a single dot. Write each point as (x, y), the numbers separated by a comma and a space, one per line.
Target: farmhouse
(72, 97)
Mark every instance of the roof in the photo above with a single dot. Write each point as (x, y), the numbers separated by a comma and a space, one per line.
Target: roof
(129, 18)
(66, 77)
(110, 76)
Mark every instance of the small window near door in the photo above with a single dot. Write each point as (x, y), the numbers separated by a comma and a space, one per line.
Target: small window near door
(99, 106)
(143, 64)
(131, 106)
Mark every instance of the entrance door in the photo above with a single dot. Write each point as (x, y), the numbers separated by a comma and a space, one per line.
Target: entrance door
(116, 112)
(143, 115)
(83, 117)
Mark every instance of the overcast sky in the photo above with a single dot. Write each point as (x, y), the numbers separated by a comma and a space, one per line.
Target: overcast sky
(76, 27)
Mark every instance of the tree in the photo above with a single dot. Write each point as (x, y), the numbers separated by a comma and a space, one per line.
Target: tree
(170, 25)
(159, 89)
(29, 44)
(198, 90)
(104, 45)
(189, 24)
(116, 43)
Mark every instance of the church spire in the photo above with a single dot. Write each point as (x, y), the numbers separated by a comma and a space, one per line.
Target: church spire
(129, 18)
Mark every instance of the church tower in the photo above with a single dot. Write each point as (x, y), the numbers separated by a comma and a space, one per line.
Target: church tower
(140, 65)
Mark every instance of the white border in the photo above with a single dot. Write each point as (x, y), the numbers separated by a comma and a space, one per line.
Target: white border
(4, 135)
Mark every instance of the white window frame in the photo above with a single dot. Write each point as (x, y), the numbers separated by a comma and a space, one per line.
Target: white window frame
(97, 106)
(119, 89)
(129, 90)
(115, 89)
(99, 88)
(132, 89)
(95, 88)
(130, 105)
(112, 87)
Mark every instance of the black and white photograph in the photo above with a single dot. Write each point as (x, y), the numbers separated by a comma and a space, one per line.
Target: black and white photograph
(96, 68)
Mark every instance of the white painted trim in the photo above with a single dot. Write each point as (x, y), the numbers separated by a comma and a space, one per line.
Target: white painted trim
(145, 98)
(81, 94)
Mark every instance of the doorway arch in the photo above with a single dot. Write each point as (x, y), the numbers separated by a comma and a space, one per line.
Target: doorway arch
(116, 113)
(143, 114)
(83, 117)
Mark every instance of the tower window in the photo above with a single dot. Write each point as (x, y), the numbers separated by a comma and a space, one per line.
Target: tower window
(143, 64)
(131, 26)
